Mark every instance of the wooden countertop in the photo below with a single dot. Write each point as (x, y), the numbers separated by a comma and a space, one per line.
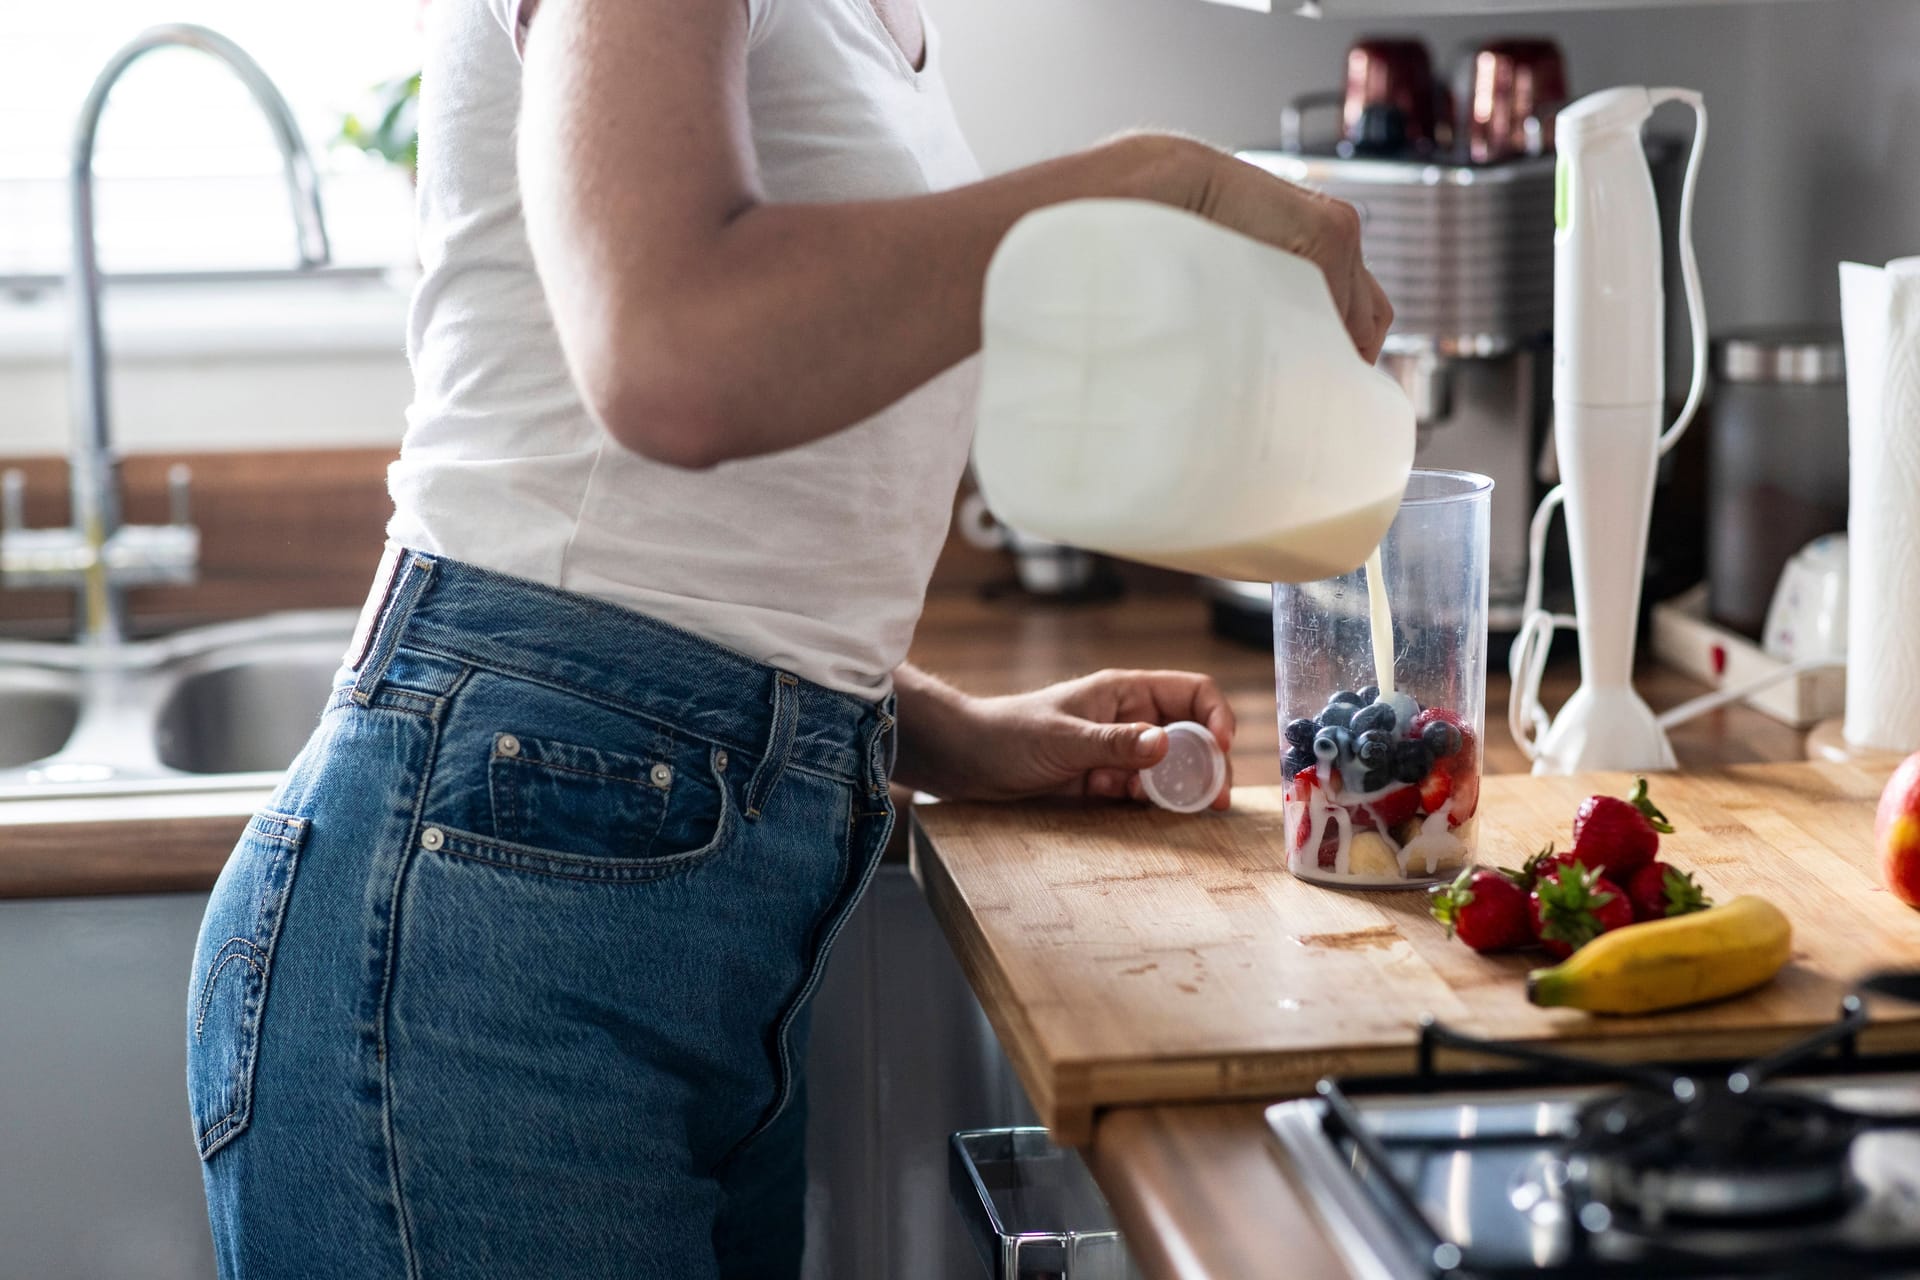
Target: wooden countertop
(1198, 1187)
(1130, 956)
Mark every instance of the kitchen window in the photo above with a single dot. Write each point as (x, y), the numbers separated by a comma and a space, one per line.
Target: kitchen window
(189, 178)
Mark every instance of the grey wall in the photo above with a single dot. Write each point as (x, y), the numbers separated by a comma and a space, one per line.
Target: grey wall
(1812, 155)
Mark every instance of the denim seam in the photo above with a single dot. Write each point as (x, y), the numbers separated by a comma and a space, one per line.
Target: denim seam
(842, 909)
(221, 959)
(389, 698)
(532, 763)
(601, 698)
(403, 1217)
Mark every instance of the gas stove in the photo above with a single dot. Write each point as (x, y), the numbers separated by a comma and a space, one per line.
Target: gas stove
(1803, 1163)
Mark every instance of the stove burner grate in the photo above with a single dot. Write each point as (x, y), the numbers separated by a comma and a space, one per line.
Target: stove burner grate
(1715, 1154)
(1667, 1160)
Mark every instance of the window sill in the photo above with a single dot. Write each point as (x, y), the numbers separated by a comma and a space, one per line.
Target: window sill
(330, 314)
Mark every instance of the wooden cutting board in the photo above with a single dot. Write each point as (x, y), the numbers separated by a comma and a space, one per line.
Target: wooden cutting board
(1126, 955)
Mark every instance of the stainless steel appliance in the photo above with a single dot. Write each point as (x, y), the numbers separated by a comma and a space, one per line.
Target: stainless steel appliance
(1802, 1163)
(1778, 462)
(1466, 253)
(1461, 238)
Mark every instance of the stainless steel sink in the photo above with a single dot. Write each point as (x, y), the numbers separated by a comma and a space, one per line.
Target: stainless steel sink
(38, 710)
(247, 717)
(214, 708)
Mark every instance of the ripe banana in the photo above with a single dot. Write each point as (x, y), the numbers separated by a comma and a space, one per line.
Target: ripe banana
(1664, 964)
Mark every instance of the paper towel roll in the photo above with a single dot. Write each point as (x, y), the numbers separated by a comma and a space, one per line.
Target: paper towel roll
(1880, 317)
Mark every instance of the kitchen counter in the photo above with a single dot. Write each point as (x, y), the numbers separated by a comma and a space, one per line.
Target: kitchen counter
(1197, 1187)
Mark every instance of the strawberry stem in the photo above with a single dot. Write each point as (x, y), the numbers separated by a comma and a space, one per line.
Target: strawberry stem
(1529, 874)
(1641, 801)
(1568, 904)
(1450, 901)
(1684, 895)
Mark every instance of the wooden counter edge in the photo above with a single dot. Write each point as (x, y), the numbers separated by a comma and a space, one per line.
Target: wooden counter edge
(1199, 1194)
(150, 843)
(1059, 1097)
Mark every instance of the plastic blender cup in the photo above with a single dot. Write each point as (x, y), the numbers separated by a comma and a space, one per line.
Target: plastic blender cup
(1382, 787)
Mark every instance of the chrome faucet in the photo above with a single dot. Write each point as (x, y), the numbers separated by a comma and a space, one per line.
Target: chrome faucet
(98, 555)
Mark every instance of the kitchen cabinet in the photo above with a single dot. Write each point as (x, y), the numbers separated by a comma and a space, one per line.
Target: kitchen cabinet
(902, 1055)
(97, 1165)
(96, 1151)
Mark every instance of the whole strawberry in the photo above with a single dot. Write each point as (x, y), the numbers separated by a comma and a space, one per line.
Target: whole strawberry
(1658, 891)
(1485, 908)
(1574, 905)
(1617, 836)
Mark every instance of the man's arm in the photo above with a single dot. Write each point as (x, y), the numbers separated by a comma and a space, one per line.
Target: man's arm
(702, 322)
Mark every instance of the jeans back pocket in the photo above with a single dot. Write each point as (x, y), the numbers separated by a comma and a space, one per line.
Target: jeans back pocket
(232, 963)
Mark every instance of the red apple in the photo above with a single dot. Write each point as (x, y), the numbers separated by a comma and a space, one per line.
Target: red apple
(1896, 831)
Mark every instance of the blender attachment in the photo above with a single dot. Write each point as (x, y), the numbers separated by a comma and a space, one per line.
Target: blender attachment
(1380, 684)
(1608, 387)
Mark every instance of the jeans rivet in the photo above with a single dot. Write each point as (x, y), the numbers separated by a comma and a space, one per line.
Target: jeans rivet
(507, 745)
(720, 761)
(432, 838)
(661, 776)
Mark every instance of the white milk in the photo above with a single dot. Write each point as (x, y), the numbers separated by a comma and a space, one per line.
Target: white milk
(1380, 618)
(1158, 388)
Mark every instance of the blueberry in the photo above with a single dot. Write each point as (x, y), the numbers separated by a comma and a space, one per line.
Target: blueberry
(1373, 748)
(1369, 693)
(1331, 743)
(1378, 715)
(1411, 760)
(1337, 715)
(1296, 759)
(1441, 738)
(1348, 696)
(1376, 780)
(1300, 732)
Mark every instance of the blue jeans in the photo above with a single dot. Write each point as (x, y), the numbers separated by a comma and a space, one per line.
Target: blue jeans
(511, 976)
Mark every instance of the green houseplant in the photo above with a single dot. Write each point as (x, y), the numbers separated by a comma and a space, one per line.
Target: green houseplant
(389, 127)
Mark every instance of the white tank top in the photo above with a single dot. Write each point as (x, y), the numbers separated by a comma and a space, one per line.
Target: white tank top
(815, 559)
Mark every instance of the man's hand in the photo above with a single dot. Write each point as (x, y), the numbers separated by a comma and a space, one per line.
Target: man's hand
(1085, 737)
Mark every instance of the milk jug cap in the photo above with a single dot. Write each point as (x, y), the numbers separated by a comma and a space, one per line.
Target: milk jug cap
(1189, 777)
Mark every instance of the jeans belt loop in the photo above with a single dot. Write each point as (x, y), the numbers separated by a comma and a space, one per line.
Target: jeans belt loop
(411, 581)
(773, 759)
(882, 745)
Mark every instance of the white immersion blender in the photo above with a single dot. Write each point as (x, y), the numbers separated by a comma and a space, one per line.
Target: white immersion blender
(1609, 346)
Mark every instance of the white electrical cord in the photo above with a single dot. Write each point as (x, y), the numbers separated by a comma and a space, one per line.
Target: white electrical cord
(1721, 697)
(1527, 659)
